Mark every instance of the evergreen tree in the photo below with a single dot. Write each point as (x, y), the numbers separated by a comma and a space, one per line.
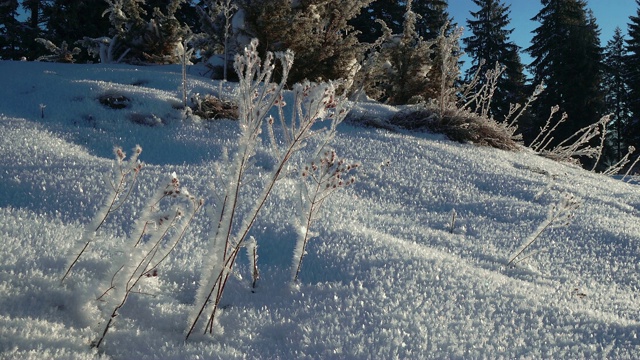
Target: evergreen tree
(389, 11)
(567, 58)
(9, 30)
(326, 46)
(616, 90)
(632, 64)
(431, 19)
(432, 16)
(32, 29)
(71, 20)
(489, 44)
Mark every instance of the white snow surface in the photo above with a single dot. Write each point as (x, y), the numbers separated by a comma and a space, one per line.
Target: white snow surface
(385, 277)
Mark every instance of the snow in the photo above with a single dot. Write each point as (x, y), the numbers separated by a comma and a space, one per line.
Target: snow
(386, 276)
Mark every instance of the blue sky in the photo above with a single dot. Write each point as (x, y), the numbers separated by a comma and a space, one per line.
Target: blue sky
(608, 13)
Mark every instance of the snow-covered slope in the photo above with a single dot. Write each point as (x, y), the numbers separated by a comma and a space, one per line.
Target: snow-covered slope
(389, 275)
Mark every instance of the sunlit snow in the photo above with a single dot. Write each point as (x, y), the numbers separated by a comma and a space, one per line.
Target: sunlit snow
(410, 262)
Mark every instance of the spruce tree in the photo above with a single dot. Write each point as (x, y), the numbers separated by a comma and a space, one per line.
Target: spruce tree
(9, 30)
(71, 20)
(567, 58)
(489, 44)
(632, 64)
(389, 11)
(32, 28)
(432, 16)
(616, 90)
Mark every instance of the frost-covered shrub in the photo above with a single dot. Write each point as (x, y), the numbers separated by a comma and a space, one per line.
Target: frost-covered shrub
(58, 54)
(134, 38)
(326, 47)
(156, 233)
(405, 68)
(212, 107)
(118, 187)
(456, 124)
(215, 19)
(577, 146)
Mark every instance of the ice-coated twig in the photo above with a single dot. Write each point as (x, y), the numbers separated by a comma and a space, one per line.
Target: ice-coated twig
(319, 179)
(559, 215)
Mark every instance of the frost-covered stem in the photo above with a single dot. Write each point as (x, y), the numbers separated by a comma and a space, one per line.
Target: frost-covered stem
(603, 135)
(631, 167)
(326, 175)
(452, 227)
(184, 73)
(536, 93)
(147, 257)
(483, 97)
(533, 237)
(130, 284)
(227, 8)
(125, 169)
(252, 255)
(223, 277)
(545, 132)
(615, 168)
(562, 212)
(303, 237)
(580, 147)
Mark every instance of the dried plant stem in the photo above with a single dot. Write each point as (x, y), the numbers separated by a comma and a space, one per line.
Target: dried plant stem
(559, 214)
(125, 170)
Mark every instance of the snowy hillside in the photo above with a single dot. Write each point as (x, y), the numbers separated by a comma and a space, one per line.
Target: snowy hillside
(410, 262)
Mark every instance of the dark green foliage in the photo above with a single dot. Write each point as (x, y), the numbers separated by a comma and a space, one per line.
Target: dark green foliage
(432, 16)
(632, 63)
(616, 93)
(389, 11)
(489, 44)
(567, 58)
(9, 30)
(70, 21)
